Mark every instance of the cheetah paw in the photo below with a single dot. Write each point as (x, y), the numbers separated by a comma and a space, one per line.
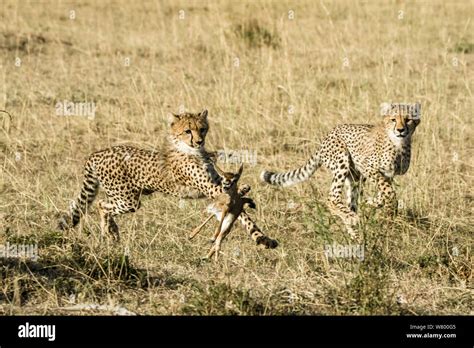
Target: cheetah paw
(266, 242)
(374, 203)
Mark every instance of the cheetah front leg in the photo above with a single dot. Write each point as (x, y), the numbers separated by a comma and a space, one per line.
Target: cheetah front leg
(261, 239)
(386, 196)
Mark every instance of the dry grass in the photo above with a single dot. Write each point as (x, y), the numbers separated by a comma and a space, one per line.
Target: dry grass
(273, 85)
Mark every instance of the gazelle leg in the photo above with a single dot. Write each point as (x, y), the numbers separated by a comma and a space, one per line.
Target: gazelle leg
(217, 246)
(199, 228)
(218, 229)
(211, 251)
(226, 230)
(217, 238)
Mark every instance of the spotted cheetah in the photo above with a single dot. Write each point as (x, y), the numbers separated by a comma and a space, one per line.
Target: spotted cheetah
(354, 153)
(227, 207)
(183, 168)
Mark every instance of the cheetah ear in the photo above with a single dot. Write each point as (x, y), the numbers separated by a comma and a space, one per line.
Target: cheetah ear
(415, 111)
(203, 114)
(172, 118)
(385, 109)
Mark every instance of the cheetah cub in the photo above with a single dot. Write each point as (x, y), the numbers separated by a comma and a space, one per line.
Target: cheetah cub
(354, 153)
(182, 168)
(226, 207)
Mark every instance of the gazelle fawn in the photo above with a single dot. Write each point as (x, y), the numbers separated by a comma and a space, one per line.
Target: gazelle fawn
(226, 207)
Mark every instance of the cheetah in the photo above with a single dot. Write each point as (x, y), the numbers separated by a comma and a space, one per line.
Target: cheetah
(227, 207)
(183, 168)
(356, 152)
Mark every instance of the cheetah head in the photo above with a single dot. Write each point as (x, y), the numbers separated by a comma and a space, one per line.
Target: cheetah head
(188, 131)
(400, 119)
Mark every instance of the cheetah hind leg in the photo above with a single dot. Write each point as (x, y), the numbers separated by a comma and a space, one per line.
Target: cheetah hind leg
(114, 229)
(107, 222)
(352, 193)
(386, 197)
(349, 217)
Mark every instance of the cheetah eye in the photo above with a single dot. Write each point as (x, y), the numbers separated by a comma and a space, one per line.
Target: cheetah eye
(394, 120)
(203, 130)
(188, 131)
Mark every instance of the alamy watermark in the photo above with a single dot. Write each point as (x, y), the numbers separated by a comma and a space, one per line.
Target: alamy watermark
(69, 108)
(405, 109)
(352, 251)
(37, 331)
(28, 251)
(237, 156)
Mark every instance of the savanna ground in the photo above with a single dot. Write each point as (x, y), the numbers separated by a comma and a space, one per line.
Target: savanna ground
(275, 76)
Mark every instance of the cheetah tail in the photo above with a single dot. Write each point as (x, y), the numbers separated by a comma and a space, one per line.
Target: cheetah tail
(90, 188)
(294, 176)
